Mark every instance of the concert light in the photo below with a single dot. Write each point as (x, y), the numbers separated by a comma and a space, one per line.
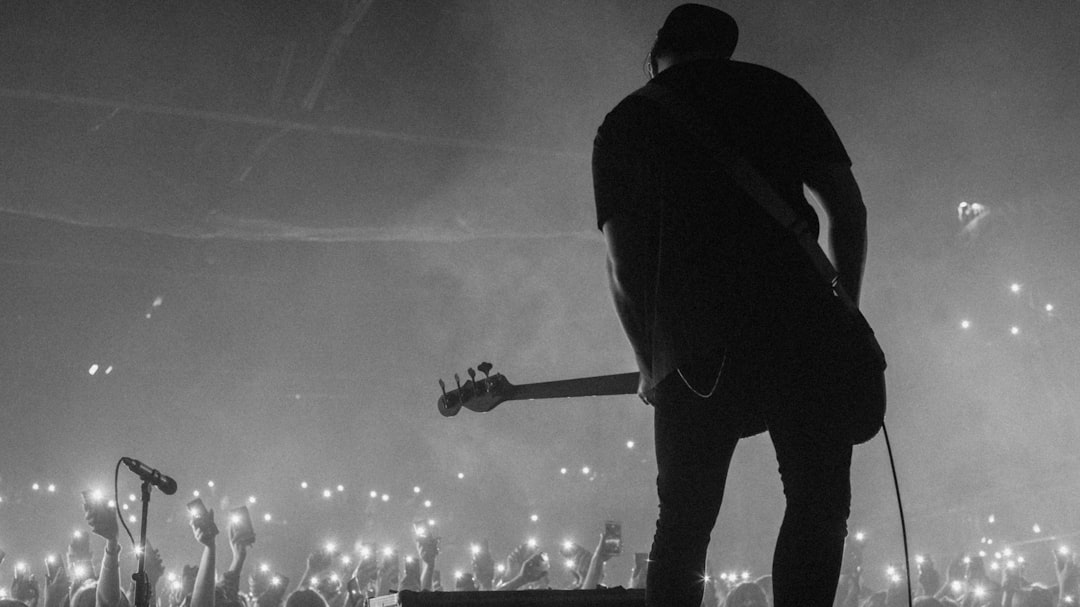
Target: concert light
(1063, 550)
(995, 566)
(534, 518)
(956, 586)
(330, 547)
(35, 486)
(919, 559)
(251, 499)
(52, 488)
(745, 575)
(303, 484)
(138, 550)
(210, 484)
(416, 489)
(860, 536)
(723, 577)
(267, 517)
(457, 574)
(1049, 307)
(20, 566)
(585, 470)
(997, 555)
(314, 581)
(1036, 528)
(373, 494)
(195, 493)
(275, 581)
(334, 578)
(982, 554)
(475, 549)
(979, 592)
(1010, 564)
(431, 522)
(1007, 551)
(460, 475)
(1015, 287)
(388, 551)
(965, 324)
(345, 560)
(171, 577)
(967, 560)
(340, 488)
(427, 503)
(386, 497)
(569, 563)
(365, 552)
(562, 470)
(500, 568)
(531, 542)
(629, 444)
(132, 519)
(176, 585)
(131, 497)
(50, 559)
(264, 568)
(568, 545)
(990, 519)
(326, 493)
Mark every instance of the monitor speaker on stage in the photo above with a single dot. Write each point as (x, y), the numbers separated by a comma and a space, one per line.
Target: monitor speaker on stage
(612, 597)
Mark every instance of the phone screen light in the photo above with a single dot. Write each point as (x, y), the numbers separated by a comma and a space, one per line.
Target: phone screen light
(427, 503)
(475, 549)
(979, 592)
(176, 585)
(330, 547)
(234, 519)
(210, 484)
(20, 566)
(51, 488)
(195, 493)
(335, 578)
(534, 518)
(340, 488)
(531, 542)
(919, 559)
(132, 519)
(388, 551)
(956, 586)
(79, 571)
(264, 568)
(386, 497)
(251, 499)
(1063, 550)
(326, 493)
(314, 580)
(500, 568)
(570, 563)
(365, 552)
(860, 536)
(275, 581)
(745, 575)
(416, 489)
(458, 574)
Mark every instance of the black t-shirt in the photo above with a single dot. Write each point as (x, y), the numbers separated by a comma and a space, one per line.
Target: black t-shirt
(728, 272)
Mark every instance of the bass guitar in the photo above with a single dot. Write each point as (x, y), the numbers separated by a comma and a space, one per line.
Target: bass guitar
(484, 394)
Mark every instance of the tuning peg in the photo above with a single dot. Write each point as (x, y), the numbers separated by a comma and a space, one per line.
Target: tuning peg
(485, 368)
(442, 385)
(472, 374)
(457, 380)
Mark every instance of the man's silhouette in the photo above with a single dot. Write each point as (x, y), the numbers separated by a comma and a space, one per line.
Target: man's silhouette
(722, 307)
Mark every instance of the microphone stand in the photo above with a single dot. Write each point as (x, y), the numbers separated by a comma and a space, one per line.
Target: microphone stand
(142, 582)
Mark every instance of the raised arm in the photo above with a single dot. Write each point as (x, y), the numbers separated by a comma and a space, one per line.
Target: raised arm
(835, 188)
(206, 534)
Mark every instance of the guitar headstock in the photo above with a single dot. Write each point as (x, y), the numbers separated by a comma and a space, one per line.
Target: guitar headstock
(480, 395)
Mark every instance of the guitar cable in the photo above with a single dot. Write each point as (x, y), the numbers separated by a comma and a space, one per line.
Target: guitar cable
(900, 507)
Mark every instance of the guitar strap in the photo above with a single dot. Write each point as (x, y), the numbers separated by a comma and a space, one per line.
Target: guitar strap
(752, 182)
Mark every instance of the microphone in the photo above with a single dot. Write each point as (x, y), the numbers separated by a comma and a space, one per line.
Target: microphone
(165, 483)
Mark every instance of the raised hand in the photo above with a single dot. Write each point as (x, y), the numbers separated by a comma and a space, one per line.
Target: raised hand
(929, 578)
(204, 528)
(534, 568)
(101, 516)
(483, 566)
(153, 565)
(319, 561)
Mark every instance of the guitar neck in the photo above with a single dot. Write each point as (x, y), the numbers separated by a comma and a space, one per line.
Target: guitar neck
(600, 385)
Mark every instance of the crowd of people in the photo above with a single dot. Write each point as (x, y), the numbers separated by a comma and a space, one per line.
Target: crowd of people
(335, 577)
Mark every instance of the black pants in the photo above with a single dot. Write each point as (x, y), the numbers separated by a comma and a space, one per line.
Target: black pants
(695, 439)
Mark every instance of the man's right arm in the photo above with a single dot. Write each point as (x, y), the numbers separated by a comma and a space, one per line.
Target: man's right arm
(631, 268)
(834, 186)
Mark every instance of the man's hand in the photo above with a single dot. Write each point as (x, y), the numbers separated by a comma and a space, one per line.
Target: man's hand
(1068, 575)
(929, 578)
(534, 568)
(204, 528)
(271, 597)
(483, 566)
(319, 561)
(102, 520)
(24, 587)
(428, 548)
(153, 565)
